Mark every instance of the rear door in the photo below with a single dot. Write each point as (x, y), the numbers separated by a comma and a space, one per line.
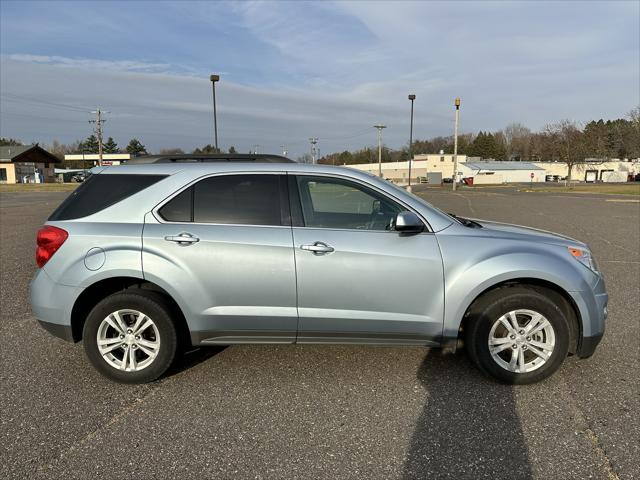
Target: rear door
(223, 247)
(358, 281)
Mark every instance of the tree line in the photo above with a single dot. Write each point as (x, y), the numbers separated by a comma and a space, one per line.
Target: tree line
(563, 141)
(90, 146)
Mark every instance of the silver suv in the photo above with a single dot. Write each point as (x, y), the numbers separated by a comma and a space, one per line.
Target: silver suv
(142, 260)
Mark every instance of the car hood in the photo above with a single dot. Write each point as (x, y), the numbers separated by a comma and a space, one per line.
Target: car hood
(526, 233)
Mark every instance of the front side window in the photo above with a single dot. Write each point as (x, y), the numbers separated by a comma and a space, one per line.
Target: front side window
(336, 203)
(228, 199)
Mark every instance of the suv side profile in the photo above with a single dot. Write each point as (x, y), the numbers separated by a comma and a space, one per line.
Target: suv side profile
(144, 259)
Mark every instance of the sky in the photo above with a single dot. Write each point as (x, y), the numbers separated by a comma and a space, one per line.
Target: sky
(294, 70)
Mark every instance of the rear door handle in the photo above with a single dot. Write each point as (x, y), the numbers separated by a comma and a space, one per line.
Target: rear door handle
(318, 248)
(183, 238)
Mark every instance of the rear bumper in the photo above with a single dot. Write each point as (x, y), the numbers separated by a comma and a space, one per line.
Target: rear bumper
(57, 330)
(51, 303)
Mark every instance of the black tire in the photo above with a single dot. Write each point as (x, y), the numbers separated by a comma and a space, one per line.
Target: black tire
(493, 305)
(153, 307)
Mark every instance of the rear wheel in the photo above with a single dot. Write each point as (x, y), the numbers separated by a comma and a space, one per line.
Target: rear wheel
(517, 335)
(130, 337)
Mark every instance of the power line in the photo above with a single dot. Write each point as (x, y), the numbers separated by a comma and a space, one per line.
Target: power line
(36, 101)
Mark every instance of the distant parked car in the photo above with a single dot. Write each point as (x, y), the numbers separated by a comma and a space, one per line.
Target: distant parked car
(144, 259)
(637, 177)
(447, 180)
(79, 177)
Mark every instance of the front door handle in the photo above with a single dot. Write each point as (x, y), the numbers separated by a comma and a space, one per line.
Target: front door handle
(183, 238)
(318, 248)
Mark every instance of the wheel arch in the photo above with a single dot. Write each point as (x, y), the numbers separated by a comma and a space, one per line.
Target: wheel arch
(101, 289)
(558, 294)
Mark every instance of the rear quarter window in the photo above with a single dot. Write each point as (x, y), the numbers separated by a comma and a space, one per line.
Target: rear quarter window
(100, 191)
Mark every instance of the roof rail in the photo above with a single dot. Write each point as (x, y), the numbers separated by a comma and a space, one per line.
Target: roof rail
(205, 158)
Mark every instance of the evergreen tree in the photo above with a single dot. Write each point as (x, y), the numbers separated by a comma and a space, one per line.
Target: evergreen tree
(90, 145)
(232, 149)
(135, 147)
(110, 146)
(207, 149)
(9, 142)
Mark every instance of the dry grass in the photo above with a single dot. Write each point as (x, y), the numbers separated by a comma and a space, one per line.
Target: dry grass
(38, 187)
(604, 188)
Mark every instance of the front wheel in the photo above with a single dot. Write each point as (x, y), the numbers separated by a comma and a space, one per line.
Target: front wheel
(130, 337)
(517, 335)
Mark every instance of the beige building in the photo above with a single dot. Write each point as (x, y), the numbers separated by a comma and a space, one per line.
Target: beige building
(610, 171)
(422, 166)
(26, 164)
(107, 158)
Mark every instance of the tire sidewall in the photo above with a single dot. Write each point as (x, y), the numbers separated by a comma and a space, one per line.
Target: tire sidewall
(497, 307)
(154, 309)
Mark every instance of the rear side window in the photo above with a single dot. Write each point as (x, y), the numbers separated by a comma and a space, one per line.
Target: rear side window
(180, 208)
(230, 199)
(100, 191)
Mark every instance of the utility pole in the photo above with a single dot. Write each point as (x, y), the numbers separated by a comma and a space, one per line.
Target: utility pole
(455, 145)
(380, 127)
(412, 97)
(255, 149)
(284, 150)
(214, 79)
(313, 141)
(98, 131)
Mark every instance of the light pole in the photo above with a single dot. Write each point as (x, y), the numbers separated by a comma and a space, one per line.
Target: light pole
(313, 141)
(455, 144)
(214, 79)
(380, 127)
(412, 97)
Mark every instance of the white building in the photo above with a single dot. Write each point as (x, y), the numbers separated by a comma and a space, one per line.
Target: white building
(484, 172)
(436, 167)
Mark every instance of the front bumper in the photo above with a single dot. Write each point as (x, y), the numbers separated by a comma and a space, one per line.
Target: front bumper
(593, 308)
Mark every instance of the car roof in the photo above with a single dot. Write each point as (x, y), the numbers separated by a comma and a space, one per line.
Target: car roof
(209, 158)
(204, 168)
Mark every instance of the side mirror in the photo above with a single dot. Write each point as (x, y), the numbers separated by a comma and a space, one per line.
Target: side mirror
(407, 222)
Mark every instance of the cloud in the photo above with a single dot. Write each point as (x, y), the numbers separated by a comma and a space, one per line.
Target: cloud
(90, 63)
(293, 70)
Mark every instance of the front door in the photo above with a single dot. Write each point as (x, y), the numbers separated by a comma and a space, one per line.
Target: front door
(359, 281)
(223, 248)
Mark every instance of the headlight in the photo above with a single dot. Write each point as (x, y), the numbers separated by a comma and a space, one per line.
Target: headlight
(584, 256)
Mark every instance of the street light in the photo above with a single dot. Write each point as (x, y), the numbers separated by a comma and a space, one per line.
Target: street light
(214, 79)
(455, 144)
(412, 97)
(380, 127)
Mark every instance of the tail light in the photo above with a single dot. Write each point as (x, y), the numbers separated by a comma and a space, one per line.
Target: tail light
(49, 240)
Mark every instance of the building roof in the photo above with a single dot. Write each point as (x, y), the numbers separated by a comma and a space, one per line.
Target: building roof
(26, 153)
(8, 152)
(496, 165)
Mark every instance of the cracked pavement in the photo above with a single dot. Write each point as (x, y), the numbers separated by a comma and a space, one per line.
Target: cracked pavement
(328, 412)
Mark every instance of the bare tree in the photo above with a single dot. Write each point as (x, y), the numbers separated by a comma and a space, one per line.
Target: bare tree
(567, 143)
(517, 141)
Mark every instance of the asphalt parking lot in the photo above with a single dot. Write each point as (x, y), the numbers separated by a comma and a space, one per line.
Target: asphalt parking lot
(329, 412)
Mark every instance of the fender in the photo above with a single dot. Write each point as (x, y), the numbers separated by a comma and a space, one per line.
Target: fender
(494, 262)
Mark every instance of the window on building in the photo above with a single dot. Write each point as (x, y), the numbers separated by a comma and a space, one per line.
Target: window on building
(442, 158)
(3, 174)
